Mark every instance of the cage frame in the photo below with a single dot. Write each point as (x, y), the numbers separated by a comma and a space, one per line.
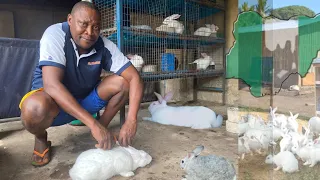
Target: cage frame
(164, 76)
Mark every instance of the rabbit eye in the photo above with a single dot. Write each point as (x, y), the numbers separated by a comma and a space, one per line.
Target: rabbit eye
(182, 161)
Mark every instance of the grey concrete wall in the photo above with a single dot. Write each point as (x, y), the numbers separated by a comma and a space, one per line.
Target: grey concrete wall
(6, 24)
(30, 21)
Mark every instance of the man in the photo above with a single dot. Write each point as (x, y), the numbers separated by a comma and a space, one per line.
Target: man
(67, 86)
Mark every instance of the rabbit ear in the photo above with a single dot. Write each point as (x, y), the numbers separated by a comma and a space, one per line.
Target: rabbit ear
(198, 150)
(130, 56)
(173, 16)
(168, 96)
(296, 116)
(160, 99)
(291, 114)
(208, 25)
(275, 109)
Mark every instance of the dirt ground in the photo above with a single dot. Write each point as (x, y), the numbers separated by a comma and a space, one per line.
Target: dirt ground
(166, 144)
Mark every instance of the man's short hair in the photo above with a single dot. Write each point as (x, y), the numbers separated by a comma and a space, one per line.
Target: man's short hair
(84, 4)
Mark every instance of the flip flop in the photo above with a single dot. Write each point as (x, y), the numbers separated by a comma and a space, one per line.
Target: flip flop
(44, 160)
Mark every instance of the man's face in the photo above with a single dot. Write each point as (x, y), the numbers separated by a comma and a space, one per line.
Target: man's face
(85, 27)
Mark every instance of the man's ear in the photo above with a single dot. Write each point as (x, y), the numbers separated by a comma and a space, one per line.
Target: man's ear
(69, 18)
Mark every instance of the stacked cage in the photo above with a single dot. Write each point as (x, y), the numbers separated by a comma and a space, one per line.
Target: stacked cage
(167, 39)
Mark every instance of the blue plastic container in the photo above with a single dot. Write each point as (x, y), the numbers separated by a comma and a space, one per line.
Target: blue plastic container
(167, 62)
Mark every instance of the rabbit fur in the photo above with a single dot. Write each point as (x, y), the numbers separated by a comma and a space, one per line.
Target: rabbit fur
(165, 28)
(173, 23)
(210, 167)
(98, 164)
(314, 124)
(136, 61)
(243, 146)
(196, 117)
(204, 62)
(206, 31)
(285, 160)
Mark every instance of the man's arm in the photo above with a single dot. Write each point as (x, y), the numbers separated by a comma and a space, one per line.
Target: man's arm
(129, 128)
(135, 91)
(52, 78)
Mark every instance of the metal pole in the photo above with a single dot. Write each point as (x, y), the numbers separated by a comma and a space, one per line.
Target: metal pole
(224, 81)
(119, 16)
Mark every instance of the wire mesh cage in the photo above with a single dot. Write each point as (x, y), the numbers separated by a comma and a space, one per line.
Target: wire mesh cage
(167, 39)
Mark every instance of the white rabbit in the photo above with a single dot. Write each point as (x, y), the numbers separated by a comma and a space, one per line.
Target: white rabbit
(145, 27)
(284, 160)
(254, 144)
(243, 146)
(165, 28)
(209, 167)
(314, 155)
(196, 117)
(278, 119)
(149, 68)
(136, 60)
(314, 124)
(292, 122)
(206, 31)
(285, 143)
(172, 22)
(302, 151)
(98, 164)
(204, 62)
(243, 127)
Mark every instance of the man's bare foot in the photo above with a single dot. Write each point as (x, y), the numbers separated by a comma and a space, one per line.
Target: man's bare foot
(41, 154)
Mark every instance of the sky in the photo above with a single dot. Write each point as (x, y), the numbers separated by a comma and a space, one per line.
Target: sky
(311, 4)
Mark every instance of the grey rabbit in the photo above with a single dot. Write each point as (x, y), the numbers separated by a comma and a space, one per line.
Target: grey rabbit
(209, 167)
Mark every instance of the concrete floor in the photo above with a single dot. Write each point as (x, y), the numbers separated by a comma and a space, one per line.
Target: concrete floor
(166, 144)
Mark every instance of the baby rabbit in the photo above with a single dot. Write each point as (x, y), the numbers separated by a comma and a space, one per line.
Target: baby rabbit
(173, 23)
(209, 167)
(285, 160)
(196, 117)
(98, 164)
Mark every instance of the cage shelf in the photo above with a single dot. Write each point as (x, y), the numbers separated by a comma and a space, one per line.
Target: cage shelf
(181, 74)
(163, 8)
(134, 37)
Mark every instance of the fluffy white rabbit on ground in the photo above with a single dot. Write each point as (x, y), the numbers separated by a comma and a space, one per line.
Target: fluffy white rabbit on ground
(196, 117)
(210, 167)
(173, 23)
(284, 160)
(99, 164)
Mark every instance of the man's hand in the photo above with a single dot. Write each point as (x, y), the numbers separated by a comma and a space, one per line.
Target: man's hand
(127, 132)
(102, 135)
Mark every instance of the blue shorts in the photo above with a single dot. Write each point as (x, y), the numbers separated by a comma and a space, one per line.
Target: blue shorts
(92, 103)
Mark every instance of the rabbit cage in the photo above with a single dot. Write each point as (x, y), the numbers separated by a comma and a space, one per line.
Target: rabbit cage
(167, 36)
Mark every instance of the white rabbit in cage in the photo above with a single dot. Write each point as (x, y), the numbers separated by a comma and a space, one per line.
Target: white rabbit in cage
(206, 31)
(165, 28)
(136, 60)
(204, 62)
(173, 23)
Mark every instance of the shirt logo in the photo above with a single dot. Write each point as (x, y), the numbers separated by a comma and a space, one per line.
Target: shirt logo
(49, 58)
(94, 62)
